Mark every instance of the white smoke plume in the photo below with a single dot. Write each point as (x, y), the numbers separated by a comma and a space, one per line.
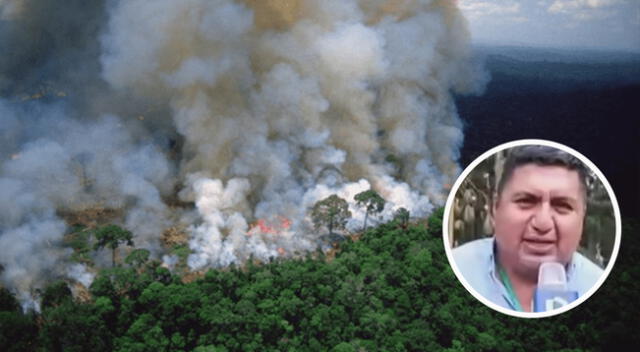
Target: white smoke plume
(68, 166)
(79, 273)
(319, 86)
(247, 111)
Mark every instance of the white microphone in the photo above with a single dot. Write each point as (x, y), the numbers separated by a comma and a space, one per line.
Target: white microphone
(552, 291)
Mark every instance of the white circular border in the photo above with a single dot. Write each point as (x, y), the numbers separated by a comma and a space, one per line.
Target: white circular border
(471, 167)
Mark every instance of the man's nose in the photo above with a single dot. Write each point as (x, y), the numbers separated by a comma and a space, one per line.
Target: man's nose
(542, 220)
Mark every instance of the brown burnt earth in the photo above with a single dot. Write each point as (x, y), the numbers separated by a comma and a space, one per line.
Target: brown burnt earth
(90, 217)
(174, 236)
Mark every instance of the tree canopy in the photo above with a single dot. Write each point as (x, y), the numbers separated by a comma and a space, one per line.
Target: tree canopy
(112, 236)
(390, 289)
(402, 215)
(137, 257)
(332, 212)
(371, 201)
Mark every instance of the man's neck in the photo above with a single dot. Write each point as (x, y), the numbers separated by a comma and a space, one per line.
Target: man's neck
(524, 287)
(523, 283)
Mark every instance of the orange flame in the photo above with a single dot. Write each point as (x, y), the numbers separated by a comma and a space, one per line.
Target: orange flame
(268, 227)
(285, 223)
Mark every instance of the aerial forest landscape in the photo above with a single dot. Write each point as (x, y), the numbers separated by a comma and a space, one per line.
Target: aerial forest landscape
(248, 175)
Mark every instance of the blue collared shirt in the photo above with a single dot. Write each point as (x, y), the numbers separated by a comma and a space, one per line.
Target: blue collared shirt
(476, 262)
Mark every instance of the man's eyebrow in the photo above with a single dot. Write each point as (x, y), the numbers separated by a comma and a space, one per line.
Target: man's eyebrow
(554, 199)
(524, 194)
(564, 199)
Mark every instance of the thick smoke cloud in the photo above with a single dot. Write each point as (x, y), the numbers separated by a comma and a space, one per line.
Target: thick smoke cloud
(65, 165)
(48, 45)
(245, 113)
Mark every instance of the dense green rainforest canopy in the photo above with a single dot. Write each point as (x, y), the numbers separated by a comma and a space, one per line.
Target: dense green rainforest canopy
(391, 289)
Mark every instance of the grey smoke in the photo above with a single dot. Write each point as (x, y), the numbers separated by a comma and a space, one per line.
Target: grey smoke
(251, 111)
(69, 166)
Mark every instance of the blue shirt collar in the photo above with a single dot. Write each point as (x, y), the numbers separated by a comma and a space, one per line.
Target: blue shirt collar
(494, 277)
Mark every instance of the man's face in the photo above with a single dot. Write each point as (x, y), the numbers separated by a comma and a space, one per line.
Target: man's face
(538, 217)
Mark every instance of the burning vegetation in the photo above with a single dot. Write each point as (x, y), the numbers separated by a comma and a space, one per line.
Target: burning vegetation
(211, 129)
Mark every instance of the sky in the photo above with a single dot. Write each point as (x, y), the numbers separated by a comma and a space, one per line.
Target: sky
(592, 24)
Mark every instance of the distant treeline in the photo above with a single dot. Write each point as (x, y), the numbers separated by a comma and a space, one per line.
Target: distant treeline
(586, 100)
(391, 289)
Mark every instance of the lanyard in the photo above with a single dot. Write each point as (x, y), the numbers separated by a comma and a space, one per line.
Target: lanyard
(507, 283)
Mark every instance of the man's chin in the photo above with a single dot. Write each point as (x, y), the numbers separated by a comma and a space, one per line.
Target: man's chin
(532, 262)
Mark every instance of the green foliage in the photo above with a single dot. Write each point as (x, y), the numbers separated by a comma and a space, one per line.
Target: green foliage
(435, 223)
(371, 201)
(18, 332)
(137, 257)
(78, 240)
(390, 290)
(144, 335)
(402, 215)
(7, 301)
(73, 327)
(112, 236)
(56, 294)
(332, 212)
(163, 275)
(102, 286)
(182, 251)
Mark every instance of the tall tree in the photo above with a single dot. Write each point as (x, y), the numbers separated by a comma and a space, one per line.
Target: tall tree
(371, 201)
(403, 216)
(332, 211)
(137, 257)
(112, 236)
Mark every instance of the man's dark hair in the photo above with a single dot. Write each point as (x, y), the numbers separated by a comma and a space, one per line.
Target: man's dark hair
(542, 156)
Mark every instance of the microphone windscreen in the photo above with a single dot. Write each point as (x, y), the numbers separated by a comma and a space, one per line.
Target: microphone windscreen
(552, 292)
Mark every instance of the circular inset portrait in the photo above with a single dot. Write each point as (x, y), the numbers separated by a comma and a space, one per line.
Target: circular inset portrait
(532, 228)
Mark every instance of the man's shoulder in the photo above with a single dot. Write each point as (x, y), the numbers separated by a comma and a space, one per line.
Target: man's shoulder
(586, 273)
(474, 262)
(481, 246)
(471, 256)
(584, 265)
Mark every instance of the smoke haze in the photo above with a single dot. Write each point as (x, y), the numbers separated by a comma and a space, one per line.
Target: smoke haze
(242, 112)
